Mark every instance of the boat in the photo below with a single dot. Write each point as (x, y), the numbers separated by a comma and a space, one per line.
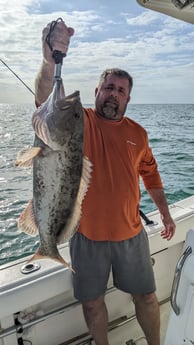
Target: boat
(179, 9)
(37, 305)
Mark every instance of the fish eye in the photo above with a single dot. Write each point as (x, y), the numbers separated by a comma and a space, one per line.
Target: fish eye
(76, 115)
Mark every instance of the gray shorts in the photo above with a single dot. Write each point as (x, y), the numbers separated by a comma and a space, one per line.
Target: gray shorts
(93, 261)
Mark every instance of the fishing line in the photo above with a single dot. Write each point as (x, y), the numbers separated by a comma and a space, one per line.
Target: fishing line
(17, 77)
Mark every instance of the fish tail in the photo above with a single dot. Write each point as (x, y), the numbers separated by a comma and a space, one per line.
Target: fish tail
(38, 256)
(62, 261)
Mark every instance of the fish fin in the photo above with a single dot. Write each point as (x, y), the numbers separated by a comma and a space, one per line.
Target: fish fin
(85, 179)
(26, 221)
(39, 123)
(74, 220)
(58, 258)
(71, 225)
(25, 157)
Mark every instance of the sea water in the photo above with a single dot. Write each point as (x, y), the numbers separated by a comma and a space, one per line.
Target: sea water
(170, 129)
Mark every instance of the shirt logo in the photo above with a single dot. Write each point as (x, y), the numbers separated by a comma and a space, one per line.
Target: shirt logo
(130, 142)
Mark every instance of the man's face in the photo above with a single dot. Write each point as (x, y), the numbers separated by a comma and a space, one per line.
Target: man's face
(112, 97)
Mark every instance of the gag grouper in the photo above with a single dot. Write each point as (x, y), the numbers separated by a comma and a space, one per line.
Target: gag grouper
(61, 174)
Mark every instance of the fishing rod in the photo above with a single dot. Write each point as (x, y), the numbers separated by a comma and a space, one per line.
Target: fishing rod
(57, 56)
(17, 77)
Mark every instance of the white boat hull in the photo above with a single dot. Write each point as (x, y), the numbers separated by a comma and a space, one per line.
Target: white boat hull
(170, 7)
(181, 322)
(40, 307)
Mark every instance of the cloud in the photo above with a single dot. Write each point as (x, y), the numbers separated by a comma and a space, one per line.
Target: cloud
(145, 18)
(157, 50)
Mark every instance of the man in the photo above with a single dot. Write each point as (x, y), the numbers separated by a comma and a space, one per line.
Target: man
(111, 235)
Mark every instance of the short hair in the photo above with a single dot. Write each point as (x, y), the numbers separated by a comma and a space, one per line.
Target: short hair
(118, 73)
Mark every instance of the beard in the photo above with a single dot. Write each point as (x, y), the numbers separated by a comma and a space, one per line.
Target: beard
(110, 110)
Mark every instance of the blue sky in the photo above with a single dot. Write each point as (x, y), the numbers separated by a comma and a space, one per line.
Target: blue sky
(158, 51)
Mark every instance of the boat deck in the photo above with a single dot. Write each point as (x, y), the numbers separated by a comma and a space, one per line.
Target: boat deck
(43, 299)
(125, 332)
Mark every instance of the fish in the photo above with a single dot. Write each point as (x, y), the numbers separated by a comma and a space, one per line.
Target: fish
(61, 173)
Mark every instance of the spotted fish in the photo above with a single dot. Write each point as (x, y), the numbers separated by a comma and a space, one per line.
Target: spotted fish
(61, 174)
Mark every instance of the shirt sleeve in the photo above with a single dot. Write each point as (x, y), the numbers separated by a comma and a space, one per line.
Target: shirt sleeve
(148, 169)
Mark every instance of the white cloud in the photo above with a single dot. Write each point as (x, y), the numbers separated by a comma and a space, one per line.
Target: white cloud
(145, 18)
(155, 49)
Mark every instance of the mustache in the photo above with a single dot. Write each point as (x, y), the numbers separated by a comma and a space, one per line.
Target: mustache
(111, 100)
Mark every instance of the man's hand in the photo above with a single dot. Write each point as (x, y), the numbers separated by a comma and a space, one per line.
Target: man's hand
(158, 196)
(60, 38)
(169, 227)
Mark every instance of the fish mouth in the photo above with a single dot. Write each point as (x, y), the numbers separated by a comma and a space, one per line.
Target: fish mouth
(66, 102)
(72, 96)
(66, 107)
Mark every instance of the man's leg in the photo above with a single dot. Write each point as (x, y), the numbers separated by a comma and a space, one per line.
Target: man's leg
(96, 317)
(148, 316)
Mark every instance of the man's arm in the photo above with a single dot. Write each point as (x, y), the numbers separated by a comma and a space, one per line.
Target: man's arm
(158, 197)
(43, 82)
(60, 39)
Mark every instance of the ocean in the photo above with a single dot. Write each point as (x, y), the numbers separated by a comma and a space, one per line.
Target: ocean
(171, 135)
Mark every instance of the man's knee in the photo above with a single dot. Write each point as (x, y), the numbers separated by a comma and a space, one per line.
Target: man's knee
(93, 305)
(145, 298)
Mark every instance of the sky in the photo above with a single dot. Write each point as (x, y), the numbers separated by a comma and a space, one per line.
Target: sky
(157, 50)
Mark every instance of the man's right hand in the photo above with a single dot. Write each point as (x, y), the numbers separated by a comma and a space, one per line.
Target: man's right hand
(59, 40)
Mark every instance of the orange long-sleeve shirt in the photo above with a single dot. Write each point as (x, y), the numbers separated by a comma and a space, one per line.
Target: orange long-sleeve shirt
(120, 154)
